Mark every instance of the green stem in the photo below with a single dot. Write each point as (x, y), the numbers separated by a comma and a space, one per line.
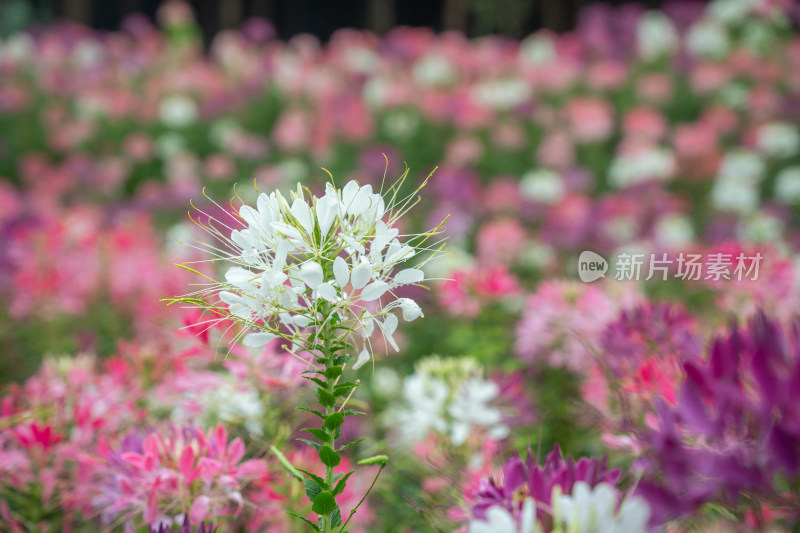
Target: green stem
(329, 410)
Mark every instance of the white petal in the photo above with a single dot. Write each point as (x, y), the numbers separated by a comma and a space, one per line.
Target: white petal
(301, 320)
(349, 192)
(410, 309)
(363, 357)
(362, 273)
(327, 291)
(374, 290)
(239, 275)
(327, 209)
(311, 274)
(409, 275)
(231, 298)
(302, 212)
(256, 340)
(341, 271)
(389, 325)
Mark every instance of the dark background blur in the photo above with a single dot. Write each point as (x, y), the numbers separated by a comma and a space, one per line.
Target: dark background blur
(513, 18)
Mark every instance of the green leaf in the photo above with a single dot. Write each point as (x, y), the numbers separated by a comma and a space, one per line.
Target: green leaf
(342, 484)
(349, 444)
(351, 412)
(313, 411)
(304, 519)
(344, 388)
(315, 445)
(374, 460)
(333, 421)
(319, 480)
(316, 380)
(286, 464)
(321, 434)
(324, 503)
(326, 399)
(312, 489)
(342, 359)
(333, 372)
(336, 518)
(329, 457)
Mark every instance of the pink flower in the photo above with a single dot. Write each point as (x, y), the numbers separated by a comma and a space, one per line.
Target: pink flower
(563, 318)
(469, 290)
(644, 122)
(590, 119)
(500, 241)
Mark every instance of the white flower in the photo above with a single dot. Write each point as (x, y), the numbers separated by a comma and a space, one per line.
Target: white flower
(641, 165)
(656, 35)
(293, 266)
(434, 69)
(17, 48)
(457, 401)
(589, 510)
(470, 407)
(543, 186)
(787, 186)
(499, 520)
(177, 111)
(778, 139)
(731, 11)
(674, 231)
(742, 164)
(500, 94)
(537, 50)
(425, 398)
(708, 38)
(759, 227)
(737, 186)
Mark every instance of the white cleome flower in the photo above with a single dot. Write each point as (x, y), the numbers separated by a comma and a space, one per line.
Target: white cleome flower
(448, 396)
(291, 265)
(177, 111)
(642, 165)
(708, 38)
(589, 510)
(778, 139)
(656, 35)
(787, 186)
(543, 185)
(499, 520)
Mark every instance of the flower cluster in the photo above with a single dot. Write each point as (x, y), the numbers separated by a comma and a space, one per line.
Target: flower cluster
(448, 396)
(735, 429)
(556, 496)
(341, 249)
(204, 470)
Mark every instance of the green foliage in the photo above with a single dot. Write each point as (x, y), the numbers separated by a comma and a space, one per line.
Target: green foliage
(312, 489)
(333, 421)
(326, 399)
(329, 456)
(324, 503)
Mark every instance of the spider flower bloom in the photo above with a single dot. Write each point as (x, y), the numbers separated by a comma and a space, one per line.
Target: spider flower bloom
(735, 430)
(292, 267)
(541, 485)
(176, 474)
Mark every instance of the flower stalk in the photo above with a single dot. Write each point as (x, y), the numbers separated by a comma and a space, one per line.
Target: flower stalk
(319, 273)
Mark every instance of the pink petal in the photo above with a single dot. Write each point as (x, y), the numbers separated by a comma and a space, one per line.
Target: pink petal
(199, 510)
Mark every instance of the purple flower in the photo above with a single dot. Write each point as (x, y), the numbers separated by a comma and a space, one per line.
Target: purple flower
(537, 481)
(736, 425)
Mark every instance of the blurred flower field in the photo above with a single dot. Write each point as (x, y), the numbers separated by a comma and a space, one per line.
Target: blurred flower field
(519, 396)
